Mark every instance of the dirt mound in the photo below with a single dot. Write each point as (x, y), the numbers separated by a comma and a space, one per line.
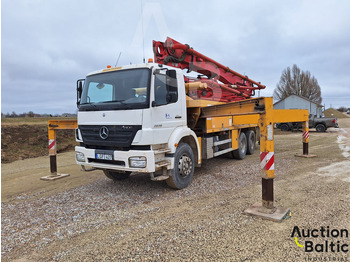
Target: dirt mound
(28, 141)
(336, 113)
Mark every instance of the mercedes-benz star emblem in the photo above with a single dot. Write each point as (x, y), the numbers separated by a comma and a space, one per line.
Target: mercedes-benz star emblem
(104, 132)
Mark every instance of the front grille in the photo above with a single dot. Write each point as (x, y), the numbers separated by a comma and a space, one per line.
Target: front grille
(114, 148)
(118, 135)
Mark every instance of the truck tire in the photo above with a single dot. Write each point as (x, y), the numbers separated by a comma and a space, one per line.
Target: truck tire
(115, 175)
(284, 127)
(242, 147)
(181, 175)
(251, 141)
(321, 128)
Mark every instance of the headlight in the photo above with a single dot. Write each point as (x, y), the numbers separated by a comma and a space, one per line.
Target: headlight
(137, 161)
(80, 156)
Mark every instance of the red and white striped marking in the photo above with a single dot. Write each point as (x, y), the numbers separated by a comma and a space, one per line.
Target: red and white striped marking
(267, 160)
(306, 135)
(52, 144)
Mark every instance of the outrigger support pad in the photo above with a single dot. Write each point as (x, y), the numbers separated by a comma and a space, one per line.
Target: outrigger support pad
(276, 214)
(54, 177)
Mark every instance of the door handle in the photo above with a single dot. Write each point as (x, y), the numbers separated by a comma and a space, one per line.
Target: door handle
(177, 117)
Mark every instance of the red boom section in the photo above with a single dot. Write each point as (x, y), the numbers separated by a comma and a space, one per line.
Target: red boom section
(223, 83)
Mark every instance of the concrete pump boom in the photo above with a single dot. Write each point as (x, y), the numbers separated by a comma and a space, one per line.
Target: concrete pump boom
(223, 84)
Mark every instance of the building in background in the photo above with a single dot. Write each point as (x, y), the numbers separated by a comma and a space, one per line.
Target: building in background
(299, 102)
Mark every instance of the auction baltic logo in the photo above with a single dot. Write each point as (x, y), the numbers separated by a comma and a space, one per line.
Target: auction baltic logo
(324, 240)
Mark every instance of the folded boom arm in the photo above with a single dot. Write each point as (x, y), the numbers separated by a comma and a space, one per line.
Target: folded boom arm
(223, 83)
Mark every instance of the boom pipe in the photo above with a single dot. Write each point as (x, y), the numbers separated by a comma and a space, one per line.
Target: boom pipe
(184, 57)
(222, 77)
(224, 87)
(217, 92)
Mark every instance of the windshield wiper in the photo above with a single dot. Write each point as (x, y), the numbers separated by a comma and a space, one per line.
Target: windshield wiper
(91, 105)
(126, 105)
(120, 101)
(96, 105)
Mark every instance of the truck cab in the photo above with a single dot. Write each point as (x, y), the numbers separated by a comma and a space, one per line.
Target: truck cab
(131, 119)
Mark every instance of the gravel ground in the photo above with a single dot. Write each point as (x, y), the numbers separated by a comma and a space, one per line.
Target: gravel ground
(141, 220)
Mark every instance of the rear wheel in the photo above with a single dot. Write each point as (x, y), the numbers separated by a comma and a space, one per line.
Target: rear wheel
(251, 141)
(117, 176)
(284, 127)
(184, 167)
(242, 147)
(320, 128)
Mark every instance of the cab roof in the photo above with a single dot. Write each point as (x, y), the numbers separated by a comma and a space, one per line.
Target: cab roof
(133, 66)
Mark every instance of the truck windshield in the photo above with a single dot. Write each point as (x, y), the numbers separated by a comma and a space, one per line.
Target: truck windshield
(124, 89)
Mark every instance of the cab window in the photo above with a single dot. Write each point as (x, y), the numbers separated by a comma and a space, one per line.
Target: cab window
(165, 88)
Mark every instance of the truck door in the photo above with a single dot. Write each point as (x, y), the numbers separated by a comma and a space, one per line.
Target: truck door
(168, 106)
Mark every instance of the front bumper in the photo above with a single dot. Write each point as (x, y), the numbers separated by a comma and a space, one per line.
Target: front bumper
(120, 160)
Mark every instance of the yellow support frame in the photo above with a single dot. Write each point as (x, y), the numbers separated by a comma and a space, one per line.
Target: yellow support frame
(266, 122)
(290, 115)
(253, 113)
(54, 125)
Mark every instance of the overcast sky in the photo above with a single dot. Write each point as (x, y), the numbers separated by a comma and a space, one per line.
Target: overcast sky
(46, 45)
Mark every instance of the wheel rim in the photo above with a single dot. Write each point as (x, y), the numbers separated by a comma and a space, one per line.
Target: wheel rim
(244, 145)
(185, 165)
(251, 142)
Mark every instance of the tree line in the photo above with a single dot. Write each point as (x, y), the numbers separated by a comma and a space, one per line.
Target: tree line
(32, 114)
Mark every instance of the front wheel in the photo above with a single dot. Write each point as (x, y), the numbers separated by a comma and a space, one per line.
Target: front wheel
(116, 176)
(183, 170)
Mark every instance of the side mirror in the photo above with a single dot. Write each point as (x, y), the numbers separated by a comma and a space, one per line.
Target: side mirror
(79, 90)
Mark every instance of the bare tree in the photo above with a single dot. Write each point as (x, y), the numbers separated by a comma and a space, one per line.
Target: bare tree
(297, 82)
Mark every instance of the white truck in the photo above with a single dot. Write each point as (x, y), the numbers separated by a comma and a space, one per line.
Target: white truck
(151, 118)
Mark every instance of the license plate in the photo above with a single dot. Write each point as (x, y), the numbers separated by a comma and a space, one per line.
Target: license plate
(104, 156)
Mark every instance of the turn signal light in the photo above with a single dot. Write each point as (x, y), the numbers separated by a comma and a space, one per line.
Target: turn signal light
(109, 66)
(150, 60)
